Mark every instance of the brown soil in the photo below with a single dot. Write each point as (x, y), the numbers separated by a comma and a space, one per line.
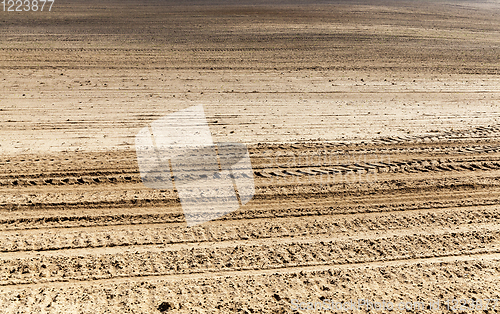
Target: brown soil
(373, 130)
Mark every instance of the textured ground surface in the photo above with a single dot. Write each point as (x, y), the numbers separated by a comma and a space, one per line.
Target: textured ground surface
(373, 131)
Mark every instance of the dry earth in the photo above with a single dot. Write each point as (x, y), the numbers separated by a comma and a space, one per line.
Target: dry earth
(373, 129)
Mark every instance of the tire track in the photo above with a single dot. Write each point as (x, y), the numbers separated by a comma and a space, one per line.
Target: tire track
(338, 283)
(175, 233)
(110, 176)
(481, 132)
(78, 264)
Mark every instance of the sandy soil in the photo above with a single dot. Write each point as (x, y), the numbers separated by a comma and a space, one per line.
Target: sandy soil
(373, 130)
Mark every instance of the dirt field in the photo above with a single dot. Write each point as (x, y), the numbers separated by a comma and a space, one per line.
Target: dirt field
(373, 129)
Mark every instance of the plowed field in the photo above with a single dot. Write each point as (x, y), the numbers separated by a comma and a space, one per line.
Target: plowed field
(373, 130)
